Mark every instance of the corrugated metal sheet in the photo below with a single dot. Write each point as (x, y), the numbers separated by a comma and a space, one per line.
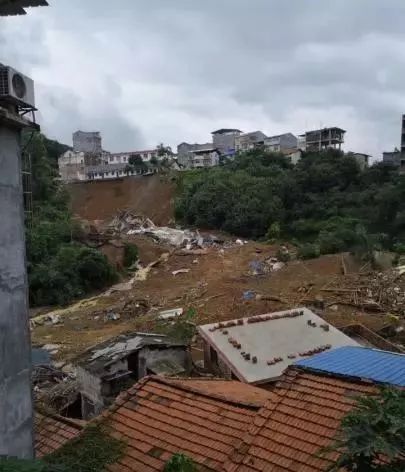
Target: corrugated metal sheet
(371, 364)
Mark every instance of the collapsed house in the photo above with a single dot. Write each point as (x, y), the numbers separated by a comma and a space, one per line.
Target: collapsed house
(114, 365)
(258, 349)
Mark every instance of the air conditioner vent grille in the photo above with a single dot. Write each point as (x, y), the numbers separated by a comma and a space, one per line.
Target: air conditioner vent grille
(4, 90)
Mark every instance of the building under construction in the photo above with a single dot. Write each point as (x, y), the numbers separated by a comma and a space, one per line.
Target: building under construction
(322, 139)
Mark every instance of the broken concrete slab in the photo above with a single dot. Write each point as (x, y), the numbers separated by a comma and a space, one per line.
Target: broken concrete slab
(180, 271)
(170, 314)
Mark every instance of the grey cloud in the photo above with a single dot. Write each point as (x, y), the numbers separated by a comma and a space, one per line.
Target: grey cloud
(168, 69)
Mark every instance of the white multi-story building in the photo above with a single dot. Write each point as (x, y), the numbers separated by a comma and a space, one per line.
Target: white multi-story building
(79, 166)
(201, 158)
(146, 156)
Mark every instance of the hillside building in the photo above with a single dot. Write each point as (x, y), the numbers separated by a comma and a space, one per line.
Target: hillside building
(89, 142)
(224, 140)
(185, 150)
(281, 142)
(361, 158)
(322, 139)
(146, 155)
(208, 157)
(112, 366)
(248, 141)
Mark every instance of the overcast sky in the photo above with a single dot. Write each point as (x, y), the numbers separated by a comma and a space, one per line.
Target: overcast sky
(150, 71)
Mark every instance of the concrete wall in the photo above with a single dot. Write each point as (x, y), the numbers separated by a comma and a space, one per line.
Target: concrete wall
(288, 141)
(72, 172)
(207, 159)
(393, 158)
(96, 393)
(215, 365)
(225, 142)
(87, 142)
(16, 424)
(148, 356)
(184, 154)
(90, 390)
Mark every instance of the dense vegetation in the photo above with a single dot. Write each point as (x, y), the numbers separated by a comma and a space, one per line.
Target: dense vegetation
(92, 451)
(325, 203)
(372, 435)
(59, 268)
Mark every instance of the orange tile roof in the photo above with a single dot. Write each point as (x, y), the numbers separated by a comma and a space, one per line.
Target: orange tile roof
(301, 417)
(230, 390)
(52, 432)
(160, 417)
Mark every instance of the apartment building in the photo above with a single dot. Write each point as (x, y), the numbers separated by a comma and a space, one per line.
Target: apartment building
(208, 157)
(248, 141)
(88, 161)
(185, 152)
(321, 139)
(145, 155)
(281, 142)
(224, 140)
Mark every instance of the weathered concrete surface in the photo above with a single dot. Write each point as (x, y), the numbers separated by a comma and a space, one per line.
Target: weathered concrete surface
(15, 350)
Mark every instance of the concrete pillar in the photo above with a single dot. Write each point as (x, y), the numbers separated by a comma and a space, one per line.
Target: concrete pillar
(16, 417)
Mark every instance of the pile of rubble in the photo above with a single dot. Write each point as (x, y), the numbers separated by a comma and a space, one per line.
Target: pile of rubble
(374, 292)
(127, 222)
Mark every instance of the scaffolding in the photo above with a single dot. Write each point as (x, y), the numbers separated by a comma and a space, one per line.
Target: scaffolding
(26, 171)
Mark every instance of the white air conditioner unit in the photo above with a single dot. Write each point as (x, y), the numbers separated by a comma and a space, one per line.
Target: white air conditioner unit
(16, 88)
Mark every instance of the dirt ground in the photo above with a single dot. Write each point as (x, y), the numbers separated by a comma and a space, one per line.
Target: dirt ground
(214, 287)
(152, 196)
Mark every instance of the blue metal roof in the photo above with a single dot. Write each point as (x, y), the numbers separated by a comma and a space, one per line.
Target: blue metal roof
(360, 362)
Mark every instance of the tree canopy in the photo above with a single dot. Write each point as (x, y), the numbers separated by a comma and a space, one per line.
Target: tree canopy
(326, 200)
(59, 267)
(372, 435)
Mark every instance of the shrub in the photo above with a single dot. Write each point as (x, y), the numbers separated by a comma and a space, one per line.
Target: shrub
(73, 271)
(92, 451)
(130, 254)
(21, 465)
(273, 232)
(283, 256)
(309, 251)
(180, 463)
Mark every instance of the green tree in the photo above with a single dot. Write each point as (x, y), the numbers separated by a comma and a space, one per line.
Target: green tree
(320, 201)
(130, 254)
(372, 435)
(59, 269)
(136, 161)
(164, 150)
(180, 463)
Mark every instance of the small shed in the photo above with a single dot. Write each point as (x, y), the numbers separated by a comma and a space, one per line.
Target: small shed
(258, 349)
(114, 365)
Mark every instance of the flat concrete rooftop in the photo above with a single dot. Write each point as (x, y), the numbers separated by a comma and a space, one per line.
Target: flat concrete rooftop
(267, 339)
